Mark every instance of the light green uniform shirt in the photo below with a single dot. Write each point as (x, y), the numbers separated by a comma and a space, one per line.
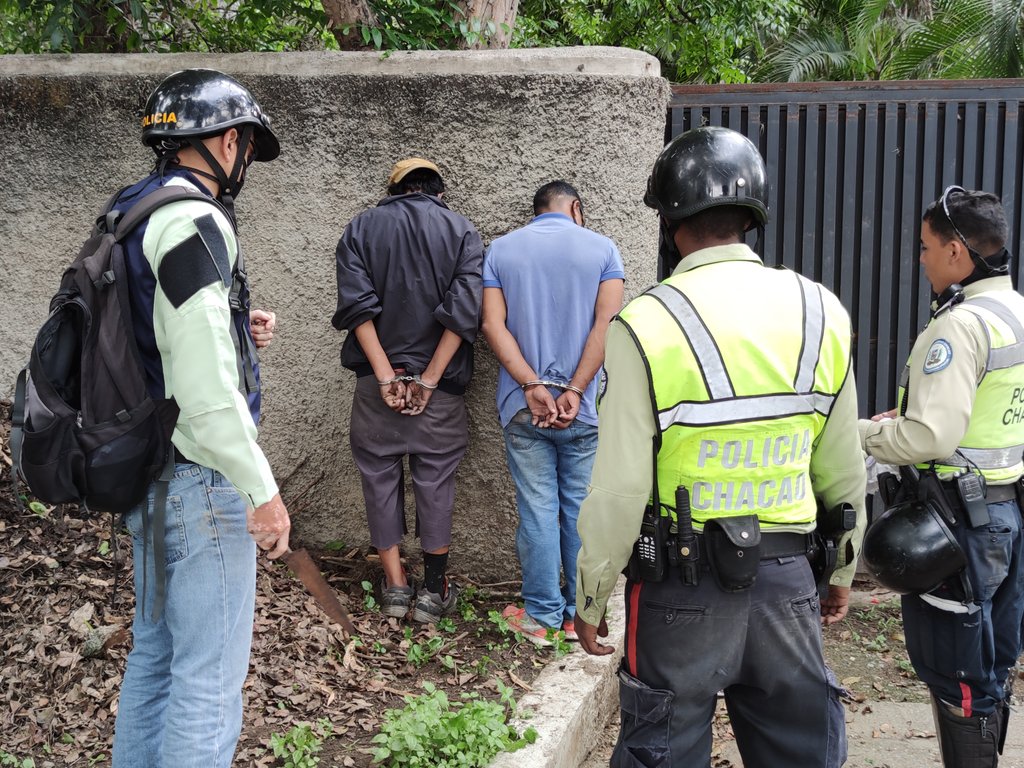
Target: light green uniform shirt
(620, 486)
(200, 364)
(939, 404)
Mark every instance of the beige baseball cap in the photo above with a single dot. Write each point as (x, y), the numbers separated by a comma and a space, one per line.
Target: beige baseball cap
(403, 167)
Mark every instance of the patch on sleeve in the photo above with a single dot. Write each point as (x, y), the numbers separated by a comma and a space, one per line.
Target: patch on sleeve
(940, 354)
(186, 269)
(602, 384)
(213, 238)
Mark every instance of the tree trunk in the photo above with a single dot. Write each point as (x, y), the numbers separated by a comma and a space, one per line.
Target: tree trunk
(501, 12)
(351, 14)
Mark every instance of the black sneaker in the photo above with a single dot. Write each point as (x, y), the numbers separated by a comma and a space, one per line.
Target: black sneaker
(395, 601)
(430, 607)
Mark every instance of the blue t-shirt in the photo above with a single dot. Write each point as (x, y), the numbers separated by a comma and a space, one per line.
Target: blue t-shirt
(550, 271)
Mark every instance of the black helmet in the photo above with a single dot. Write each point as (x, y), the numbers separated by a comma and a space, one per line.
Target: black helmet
(197, 103)
(910, 550)
(705, 167)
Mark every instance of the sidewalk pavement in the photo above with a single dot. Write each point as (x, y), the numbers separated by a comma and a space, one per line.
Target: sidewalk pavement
(573, 705)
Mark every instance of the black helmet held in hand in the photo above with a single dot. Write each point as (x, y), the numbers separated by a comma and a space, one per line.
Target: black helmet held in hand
(705, 167)
(910, 550)
(197, 103)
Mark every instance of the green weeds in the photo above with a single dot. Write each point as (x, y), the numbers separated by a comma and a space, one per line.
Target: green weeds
(298, 748)
(433, 731)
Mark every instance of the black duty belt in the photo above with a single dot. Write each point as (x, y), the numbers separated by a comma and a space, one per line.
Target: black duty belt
(993, 493)
(180, 458)
(776, 545)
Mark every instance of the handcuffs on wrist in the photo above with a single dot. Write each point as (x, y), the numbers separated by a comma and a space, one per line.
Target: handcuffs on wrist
(556, 384)
(415, 379)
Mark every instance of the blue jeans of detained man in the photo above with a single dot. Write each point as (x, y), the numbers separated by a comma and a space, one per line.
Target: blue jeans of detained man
(551, 470)
(181, 700)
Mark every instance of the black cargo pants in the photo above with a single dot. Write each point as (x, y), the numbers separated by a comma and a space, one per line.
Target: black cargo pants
(761, 646)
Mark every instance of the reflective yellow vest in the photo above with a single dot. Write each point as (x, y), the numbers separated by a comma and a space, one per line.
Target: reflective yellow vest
(994, 443)
(744, 365)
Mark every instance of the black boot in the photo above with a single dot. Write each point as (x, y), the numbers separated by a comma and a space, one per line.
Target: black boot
(967, 742)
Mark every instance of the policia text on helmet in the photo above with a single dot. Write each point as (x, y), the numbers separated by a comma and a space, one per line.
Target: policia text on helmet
(703, 169)
(215, 117)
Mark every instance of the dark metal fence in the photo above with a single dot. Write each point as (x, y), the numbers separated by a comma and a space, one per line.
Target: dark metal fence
(852, 167)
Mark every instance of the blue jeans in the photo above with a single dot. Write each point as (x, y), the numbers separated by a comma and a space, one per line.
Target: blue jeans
(551, 471)
(965, 659)
(181, 700)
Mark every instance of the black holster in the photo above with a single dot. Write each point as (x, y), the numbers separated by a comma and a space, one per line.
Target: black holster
(733, 548)
(824, 553)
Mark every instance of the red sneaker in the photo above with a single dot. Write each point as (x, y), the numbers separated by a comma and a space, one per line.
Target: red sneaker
(570, 631)
(520, 621)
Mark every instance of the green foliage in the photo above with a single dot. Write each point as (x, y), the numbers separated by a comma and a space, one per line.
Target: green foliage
(559, 644)
(7, 759)
(419, 654)
(368, 599)
(38, 509)
(298, 748)
(964, 39)
(431, 731)
(714, 41)
(127, 26)
(423, 25)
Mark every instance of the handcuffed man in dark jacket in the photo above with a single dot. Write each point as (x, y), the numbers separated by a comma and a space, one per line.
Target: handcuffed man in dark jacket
(409, 294)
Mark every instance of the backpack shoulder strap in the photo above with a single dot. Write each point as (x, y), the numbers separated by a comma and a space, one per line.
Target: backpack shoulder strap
(145, 207)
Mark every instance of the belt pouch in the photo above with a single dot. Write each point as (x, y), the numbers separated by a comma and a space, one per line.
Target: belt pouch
(734, 551)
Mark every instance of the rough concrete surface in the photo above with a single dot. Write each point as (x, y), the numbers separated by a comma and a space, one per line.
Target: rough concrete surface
(575, 711)
(572, 701)
(498, 125)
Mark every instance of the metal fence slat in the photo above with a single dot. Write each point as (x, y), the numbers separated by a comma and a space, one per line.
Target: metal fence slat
(851, 167)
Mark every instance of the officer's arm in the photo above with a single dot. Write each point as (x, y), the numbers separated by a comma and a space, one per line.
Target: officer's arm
(192, 323)
(945, 366)
(838, 476)
(620, 486)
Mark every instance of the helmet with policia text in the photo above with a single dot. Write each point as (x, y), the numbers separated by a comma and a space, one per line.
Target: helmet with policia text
(197, 103)
(911, 550)
(706, 167)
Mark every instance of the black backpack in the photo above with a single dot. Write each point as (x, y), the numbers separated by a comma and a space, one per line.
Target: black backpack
(84, 428)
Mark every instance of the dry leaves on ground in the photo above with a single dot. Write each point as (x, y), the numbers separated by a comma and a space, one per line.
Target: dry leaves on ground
(65, 635)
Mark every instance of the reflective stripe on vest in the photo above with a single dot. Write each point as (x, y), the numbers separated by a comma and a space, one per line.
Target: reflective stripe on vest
(994, 442)
(725, 407)
(739, 435)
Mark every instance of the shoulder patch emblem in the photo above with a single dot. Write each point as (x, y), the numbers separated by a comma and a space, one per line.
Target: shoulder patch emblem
(602, 384)
(940, 354)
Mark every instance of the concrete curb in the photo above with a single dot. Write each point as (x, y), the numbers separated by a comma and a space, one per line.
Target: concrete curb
(570, 702)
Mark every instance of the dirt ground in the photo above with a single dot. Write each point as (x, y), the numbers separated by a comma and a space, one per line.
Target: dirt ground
(65, 631)
(65, 634)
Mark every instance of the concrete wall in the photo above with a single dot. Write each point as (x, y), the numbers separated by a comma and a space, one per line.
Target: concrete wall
(498, 123)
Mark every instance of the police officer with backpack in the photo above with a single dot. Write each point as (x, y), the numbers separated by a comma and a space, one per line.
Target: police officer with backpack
(729, 405)
(181, 700)
(952, 540)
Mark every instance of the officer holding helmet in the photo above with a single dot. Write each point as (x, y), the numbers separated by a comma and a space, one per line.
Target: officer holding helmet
(195, 550)
(953, 542)
(729, 405)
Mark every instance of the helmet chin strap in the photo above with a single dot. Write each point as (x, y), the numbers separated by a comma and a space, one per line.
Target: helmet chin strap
(228, 184)
(668, 255)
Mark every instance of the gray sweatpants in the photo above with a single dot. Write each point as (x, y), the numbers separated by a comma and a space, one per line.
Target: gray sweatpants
(761, 646)
(435, 441)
